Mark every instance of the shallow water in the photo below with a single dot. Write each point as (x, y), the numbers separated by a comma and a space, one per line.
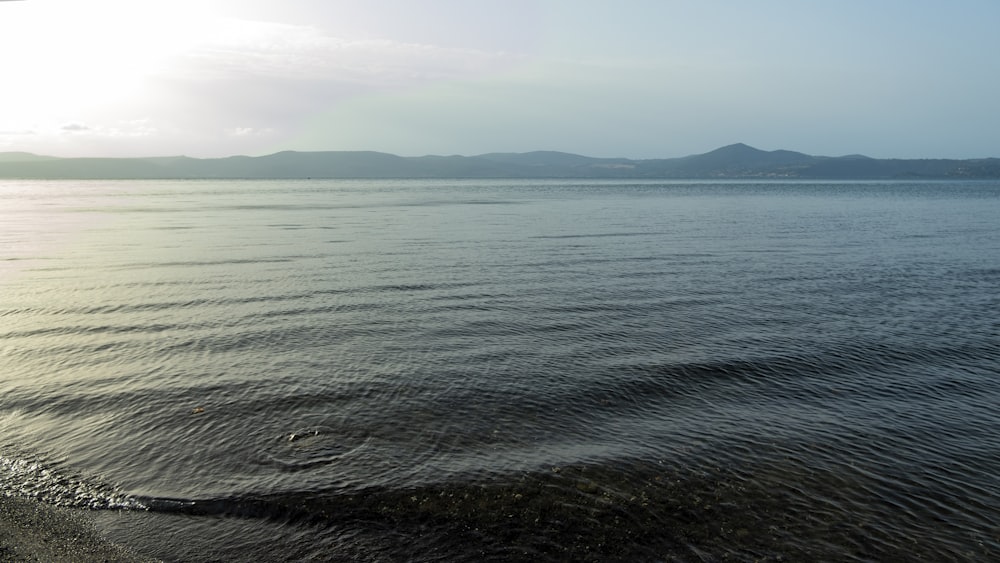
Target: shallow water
(475, 370)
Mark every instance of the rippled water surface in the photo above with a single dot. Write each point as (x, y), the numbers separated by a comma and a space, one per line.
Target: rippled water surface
(527, 370)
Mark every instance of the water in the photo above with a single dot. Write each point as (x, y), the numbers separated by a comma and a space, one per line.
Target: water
(508, 370)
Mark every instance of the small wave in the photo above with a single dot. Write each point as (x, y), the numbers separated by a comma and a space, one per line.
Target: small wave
(31, 478)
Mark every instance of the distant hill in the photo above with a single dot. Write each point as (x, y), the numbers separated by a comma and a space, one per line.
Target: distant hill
(738, 161)
(23, 157)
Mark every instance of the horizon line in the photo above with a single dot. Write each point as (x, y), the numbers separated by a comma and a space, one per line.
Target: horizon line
(452, 155)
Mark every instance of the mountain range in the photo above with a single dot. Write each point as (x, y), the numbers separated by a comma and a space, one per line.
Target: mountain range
(738, 161)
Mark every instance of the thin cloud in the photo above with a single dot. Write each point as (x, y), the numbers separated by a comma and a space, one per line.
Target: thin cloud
(249, 131)
(74, 127)
(302, 53)
(125, 128)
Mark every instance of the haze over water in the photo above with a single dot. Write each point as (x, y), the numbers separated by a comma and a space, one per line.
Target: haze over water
(507, 370)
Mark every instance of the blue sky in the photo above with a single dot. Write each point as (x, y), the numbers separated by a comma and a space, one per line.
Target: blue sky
(640, 79)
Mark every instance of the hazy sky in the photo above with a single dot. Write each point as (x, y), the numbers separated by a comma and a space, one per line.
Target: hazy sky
(641, 79)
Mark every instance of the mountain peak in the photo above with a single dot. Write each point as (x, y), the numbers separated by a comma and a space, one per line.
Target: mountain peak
(736, 148)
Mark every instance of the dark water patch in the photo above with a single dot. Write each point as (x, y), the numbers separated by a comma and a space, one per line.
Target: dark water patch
(391, 288)
(458, 201)
(600, 235)
(636, 511)
(221, 300)
(199, 263)
(78, 330)
(293, 337)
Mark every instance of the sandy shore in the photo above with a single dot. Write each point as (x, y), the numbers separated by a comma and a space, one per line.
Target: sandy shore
(32, 531)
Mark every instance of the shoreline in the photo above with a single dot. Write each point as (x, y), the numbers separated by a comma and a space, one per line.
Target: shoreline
(34, 531)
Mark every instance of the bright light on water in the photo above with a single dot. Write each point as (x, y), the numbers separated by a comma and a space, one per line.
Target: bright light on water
(507, 370)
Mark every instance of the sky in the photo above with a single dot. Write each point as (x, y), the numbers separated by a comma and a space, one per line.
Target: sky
(624, 78)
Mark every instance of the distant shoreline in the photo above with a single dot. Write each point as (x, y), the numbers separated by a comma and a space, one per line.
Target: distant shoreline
(733, 162)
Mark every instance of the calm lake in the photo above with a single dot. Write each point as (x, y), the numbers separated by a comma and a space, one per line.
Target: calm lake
(507, 370)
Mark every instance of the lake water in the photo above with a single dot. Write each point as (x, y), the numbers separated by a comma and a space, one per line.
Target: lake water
(507, 370)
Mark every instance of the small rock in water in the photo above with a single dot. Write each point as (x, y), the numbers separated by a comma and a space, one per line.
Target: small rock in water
(295, 436)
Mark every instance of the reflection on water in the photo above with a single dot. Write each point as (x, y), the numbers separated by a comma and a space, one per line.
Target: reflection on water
(507, 370)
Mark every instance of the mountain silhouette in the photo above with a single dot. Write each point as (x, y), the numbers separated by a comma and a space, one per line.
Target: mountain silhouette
(736, 161)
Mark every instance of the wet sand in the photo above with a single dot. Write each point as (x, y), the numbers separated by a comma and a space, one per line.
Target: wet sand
(32, 531)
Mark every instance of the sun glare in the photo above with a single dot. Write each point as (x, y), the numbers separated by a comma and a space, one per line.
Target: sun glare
(62, 59)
